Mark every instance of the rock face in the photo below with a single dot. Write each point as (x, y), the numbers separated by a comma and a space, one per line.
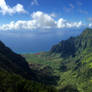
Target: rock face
(74, 45)
(76, 64)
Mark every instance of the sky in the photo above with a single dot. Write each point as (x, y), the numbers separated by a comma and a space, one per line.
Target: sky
(42, 22)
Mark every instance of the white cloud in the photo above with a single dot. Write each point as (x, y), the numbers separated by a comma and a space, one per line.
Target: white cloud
(19, 25)
(53, 15)
(61, 23)
(35, 2)
(4, 8)
(43, 20)
(90, 25)
(40, 20)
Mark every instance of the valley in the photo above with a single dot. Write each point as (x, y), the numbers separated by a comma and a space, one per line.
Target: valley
(66, 67)
(70, 60)
(45, 45)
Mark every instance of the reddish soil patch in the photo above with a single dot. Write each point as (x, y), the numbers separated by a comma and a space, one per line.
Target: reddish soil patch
(37, 54)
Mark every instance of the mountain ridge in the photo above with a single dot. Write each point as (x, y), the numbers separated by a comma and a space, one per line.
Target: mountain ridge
(71, 60)
(16, 76)
(77, 44)
(76, 66)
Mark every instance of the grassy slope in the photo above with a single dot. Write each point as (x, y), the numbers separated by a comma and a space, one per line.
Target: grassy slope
(77, 70)
(44, 60)
(76, 74)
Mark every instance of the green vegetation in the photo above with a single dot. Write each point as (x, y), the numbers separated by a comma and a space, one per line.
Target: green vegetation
(16, 76)
(67, 67)
(15, 83)
(70, 60)
(43, 59)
